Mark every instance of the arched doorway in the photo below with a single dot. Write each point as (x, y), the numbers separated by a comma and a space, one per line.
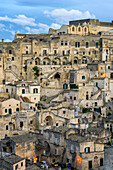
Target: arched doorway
(57, 76)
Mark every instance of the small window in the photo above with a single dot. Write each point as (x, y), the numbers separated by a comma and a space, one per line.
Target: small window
(31, 122)
(55, 52)
(83, 77)
(79, 29)
(10, 51)
(35, 52)
(26, 52)
(74, 98)
(71, 97)
(30, 62)
(6, 90)
(96, 44)
(108, 67)
(44, 52)
(23, 91)
(6, 127)
(66, 43)
(21, 163)
(87, 150)
(77, 44)
(87, 44)
(28, 147)
(56, 124)
(35, 90)
(101, 68)
(10, 67)
(16, 167)
(26, 47)
(83, 52)
(89, 52)
(5, 110)
(64, 112)
(12, 58)
(62, 43)
(95, 103)
(73, 29)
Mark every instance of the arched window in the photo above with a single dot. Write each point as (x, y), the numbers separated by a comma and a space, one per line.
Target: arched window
(35, 90)
(73, 29)
(85, 29)
(79, 29)
(87, 150)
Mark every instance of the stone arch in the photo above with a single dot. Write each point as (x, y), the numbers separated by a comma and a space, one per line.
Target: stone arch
(84, 60)
(37, 61)
(46, 61)
(75, 60)
(65, 61)
(79, 29)
(73, 28)
(57, 61)
(48, 121)
(85, 30)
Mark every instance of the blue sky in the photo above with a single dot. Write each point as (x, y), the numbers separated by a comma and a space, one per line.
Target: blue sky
(37, 16)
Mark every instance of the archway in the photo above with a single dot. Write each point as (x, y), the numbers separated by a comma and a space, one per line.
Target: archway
(37, 61)
(57, 76)
(46, 61)
(48, 121)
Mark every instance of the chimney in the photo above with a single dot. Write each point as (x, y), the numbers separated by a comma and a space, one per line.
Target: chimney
(2, 40)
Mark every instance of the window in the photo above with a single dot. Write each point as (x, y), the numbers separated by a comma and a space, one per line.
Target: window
(6, 90)
(44, 52)
(96, 44)
(95, 103)
(96, 83)
(83, 77)
(83, 52)
(6, 127)
(71, 97)
(31, 122)
(108, 67)
(17, 109)
(73, 29)
(74, 98)
(101, 68)
(12, 58)
(26, 52)
(62, 43)
(16, 167)
(35, 52)
(79, 29)
(55, 52)
(106, 51)
(21, 163)
(10, 111)
(30, 62)
(28, 147)
(64, 112)
(101, 161)
(10, 67)
(66, 43)
(87, 150)
(87, 44)
(23, 91)
(89, 52)
(21, 124)
(77, 44)
(5, 110)
(26, 47)
(56, 124)
(10, 51)
(35, 90)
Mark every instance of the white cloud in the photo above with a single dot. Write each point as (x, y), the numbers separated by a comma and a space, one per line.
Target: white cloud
(63, 16)
(7, 40)
(20, 19)
(42, 28)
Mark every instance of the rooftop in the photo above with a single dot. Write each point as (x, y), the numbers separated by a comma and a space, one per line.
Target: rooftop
(13, 159)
